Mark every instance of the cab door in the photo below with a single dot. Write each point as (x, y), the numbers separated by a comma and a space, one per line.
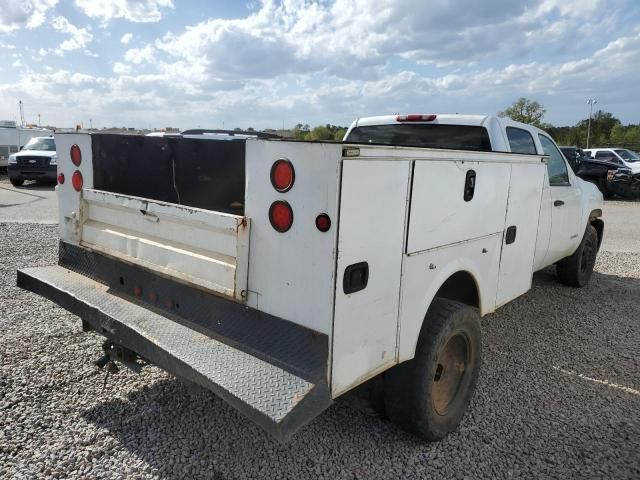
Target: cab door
(566, 229)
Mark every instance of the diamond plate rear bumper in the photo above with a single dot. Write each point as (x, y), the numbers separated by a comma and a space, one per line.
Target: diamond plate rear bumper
(276, 399)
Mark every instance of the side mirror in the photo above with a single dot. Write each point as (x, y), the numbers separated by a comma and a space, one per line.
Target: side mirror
(21, 147)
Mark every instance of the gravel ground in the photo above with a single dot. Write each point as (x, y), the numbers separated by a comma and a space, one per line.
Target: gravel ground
(559, 396)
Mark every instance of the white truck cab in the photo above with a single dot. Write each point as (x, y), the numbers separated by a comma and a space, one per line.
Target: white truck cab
(282, 274)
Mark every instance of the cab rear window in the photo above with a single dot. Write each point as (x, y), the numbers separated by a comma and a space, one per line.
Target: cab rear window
(456, 137)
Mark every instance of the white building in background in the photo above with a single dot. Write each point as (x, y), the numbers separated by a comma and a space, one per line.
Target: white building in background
(13, 137)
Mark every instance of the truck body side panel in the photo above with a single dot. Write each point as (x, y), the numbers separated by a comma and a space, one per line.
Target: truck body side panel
(544, 227)
(69, 201)
(291, 274)
(516, 261)
(425, 272)
(372, 226)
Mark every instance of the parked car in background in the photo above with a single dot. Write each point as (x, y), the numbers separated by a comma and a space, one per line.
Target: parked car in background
(610, 176)
(37, 161)
(13, 138)
(621, 156)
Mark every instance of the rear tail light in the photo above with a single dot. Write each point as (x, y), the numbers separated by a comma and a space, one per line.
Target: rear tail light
(76, 155)
(281, 216)
(282, 175)
(60, 178)
(323, 222)
(416, 118)
(76, 181)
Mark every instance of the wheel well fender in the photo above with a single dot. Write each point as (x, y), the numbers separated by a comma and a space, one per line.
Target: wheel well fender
(458, 284)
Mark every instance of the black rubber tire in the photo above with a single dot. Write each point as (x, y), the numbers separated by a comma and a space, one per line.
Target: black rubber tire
(576, 270)
(16, 182)
(411, 388)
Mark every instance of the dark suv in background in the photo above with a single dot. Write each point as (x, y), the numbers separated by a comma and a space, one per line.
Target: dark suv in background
(36, 161)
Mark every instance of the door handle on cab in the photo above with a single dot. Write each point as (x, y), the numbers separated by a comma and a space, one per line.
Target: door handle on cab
(558, 203)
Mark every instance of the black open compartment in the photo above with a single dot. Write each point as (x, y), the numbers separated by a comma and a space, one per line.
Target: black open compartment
(202, 173)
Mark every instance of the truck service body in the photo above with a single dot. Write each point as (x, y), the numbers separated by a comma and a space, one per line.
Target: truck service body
(282, 274)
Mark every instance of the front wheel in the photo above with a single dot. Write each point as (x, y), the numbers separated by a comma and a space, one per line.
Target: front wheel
(429, 394)
(16, 182)
(576, 270)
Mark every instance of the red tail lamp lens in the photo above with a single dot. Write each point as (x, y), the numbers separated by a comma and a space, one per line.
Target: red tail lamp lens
(323, 222)
(76, 155)
(60, 178)
(76, 181)
(281, 216)
(282, 175)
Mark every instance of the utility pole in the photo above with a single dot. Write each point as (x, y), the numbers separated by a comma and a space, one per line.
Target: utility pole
(21, 112)
(39, 124)
(591, 102)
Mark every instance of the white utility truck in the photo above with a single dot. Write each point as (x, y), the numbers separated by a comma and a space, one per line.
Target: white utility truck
(282, 274)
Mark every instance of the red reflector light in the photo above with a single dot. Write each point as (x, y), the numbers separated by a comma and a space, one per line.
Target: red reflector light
(281, 216)
(60, 178)
(282, 175)
(76, 155)
(416, 118)
(137, 291)
(76, 181)
(323, 222)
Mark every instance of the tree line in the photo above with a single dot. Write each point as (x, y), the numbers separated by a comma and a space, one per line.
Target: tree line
(606, 129)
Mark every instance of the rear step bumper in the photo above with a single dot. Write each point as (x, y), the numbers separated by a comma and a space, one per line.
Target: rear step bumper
(277, 400)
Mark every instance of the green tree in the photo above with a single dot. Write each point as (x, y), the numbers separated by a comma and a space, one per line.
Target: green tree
(320, 133)
(339, 134)
(525, 111)
(602, 124)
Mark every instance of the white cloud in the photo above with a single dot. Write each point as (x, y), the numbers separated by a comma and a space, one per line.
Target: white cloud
(126, 38)
(78, 37)
(15, 14)
(121, 68)
(353, 38)
(139, 11)
(140, 55)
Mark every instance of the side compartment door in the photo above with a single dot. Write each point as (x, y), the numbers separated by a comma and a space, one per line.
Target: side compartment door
(370, 243)
(519, 239)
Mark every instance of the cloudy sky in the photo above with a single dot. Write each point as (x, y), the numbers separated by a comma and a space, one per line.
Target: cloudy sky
(262, 63)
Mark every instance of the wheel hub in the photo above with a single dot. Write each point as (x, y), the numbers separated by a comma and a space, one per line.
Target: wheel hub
(450, 370)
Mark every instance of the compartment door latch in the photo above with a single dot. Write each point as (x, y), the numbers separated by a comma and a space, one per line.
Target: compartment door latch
(356, 277)
(469, 185)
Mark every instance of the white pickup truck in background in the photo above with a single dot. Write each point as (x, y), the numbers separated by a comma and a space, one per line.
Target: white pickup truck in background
(282, 274)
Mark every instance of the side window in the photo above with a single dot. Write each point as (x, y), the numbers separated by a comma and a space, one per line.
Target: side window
(606, 156)
(520, 141)
(556, 167)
